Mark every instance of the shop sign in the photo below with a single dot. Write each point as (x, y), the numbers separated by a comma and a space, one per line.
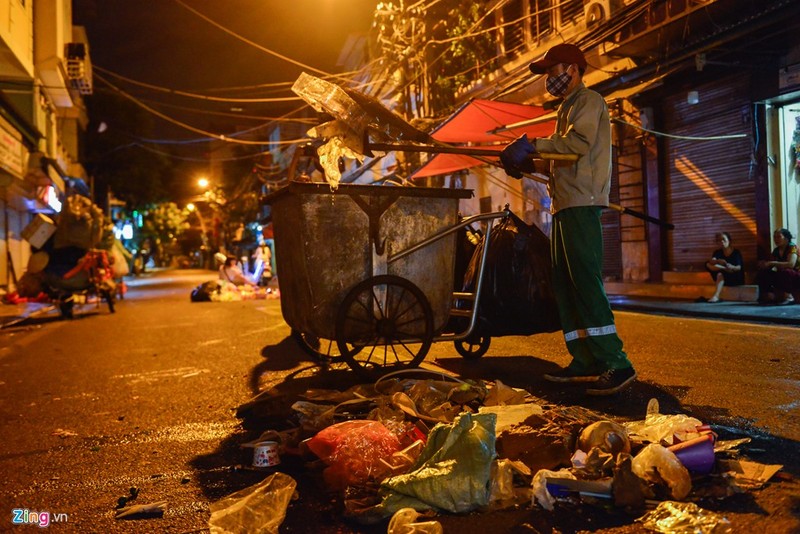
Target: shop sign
(49, 196)
(11, 151)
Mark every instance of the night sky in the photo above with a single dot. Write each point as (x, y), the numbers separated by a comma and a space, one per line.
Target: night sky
(161, 42)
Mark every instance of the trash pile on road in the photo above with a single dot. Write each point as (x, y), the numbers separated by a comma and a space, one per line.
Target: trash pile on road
(221, 291)
(409, 446)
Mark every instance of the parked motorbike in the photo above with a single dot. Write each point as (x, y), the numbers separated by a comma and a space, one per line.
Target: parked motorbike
(91, 279)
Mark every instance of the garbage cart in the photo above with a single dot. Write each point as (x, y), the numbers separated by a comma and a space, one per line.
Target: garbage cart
(370, 267)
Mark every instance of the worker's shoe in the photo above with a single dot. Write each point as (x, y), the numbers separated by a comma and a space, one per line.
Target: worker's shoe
(569, 375)
(612, 381)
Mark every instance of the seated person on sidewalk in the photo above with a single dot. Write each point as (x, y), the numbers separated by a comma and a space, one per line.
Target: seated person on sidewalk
(230, 272)
(725, 265)
(779, 277)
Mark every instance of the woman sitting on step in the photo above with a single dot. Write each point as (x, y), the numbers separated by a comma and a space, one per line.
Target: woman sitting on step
(779, 277)
(725, 265)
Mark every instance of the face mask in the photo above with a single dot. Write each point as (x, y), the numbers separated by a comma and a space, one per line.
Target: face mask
(557, 85)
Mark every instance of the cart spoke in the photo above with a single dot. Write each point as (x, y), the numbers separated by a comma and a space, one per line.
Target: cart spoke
(393, 316)
(406, 347)
(410, 307)
(414, 319)
(399, 299)
(378, 305)
(368, 359)
(367, 309)
(369, 321)
(396, 356)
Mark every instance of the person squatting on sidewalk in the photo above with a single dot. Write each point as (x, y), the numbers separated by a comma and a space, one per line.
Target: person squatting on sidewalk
(579, 191)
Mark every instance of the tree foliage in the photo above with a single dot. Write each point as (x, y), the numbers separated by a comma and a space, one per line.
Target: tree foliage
(436, 49)
(164, 222)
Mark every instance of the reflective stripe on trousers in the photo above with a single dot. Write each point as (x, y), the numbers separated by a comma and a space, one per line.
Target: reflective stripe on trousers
(590, 332)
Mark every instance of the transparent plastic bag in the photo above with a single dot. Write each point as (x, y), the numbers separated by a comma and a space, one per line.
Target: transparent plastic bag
(332, 99)
(684, 518)
(539, 484)
(658, 428)
(355, 451)
(404, 521)
(503, 492)
(259, 509)
(656, 464)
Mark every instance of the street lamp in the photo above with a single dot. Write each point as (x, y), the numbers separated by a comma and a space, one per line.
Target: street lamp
(203, 182)
(204, 255)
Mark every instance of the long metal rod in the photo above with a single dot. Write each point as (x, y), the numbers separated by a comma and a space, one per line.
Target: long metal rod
(473, 318)
(447, 231)
(467, 151)
(475, 297)
(617, 207)
(482, 154)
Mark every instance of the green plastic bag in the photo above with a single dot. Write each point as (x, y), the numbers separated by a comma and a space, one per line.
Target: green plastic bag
(452, 473)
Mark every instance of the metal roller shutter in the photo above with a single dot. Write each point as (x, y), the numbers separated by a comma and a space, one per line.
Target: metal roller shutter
(708, 184)
(612, 238)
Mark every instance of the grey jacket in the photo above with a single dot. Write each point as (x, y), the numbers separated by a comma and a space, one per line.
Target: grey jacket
(583, 128)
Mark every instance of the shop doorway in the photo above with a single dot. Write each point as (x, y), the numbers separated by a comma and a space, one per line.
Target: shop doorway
(785, 179)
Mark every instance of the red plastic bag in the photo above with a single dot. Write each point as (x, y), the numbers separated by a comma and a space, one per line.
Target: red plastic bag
(353, 451)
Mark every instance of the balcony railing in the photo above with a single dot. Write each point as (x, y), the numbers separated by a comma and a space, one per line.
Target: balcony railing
(79, 67)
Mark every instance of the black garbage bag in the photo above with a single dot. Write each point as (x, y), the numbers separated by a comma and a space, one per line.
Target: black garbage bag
(203, 292)
(467, 241)
(517, 295)
(62, 261)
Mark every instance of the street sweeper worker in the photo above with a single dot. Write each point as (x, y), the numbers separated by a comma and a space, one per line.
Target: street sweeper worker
(579, 191)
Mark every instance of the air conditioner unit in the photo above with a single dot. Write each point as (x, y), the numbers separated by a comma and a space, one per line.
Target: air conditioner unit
(598, 11)
(79, 67)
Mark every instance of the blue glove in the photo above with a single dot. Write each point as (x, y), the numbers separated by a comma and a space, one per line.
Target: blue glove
(515, 158)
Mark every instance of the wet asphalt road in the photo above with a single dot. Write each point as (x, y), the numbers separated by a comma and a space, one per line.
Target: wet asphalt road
(147, 398)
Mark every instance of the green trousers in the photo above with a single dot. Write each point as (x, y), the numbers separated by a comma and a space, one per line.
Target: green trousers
(576, 250)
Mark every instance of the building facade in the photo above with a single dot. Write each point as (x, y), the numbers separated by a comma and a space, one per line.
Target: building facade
(44, 72)
(704, 97)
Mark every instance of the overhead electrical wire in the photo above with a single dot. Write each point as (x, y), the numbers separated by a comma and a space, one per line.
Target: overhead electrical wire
(204, 160)
(302, 120)
(197, 95)
(219, 137)
(252, 43)
(193, 141)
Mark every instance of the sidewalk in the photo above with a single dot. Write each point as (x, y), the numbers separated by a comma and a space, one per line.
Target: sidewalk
(11, 314)
(732, 311)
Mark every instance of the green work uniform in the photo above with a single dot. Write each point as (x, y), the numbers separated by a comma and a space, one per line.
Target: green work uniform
(579, 191)
(576, 249)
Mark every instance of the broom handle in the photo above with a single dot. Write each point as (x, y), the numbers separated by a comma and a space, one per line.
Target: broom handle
(436, 149)
(467, 151)
(617, 207)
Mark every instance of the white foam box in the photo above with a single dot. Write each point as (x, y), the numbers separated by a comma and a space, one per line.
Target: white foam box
(39, 230)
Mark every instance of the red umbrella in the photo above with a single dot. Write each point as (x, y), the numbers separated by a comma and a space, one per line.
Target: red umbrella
(474, 123)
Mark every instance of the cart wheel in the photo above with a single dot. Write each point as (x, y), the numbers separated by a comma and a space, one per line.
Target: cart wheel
(473, 347)
(321, 350)
(391, 315)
